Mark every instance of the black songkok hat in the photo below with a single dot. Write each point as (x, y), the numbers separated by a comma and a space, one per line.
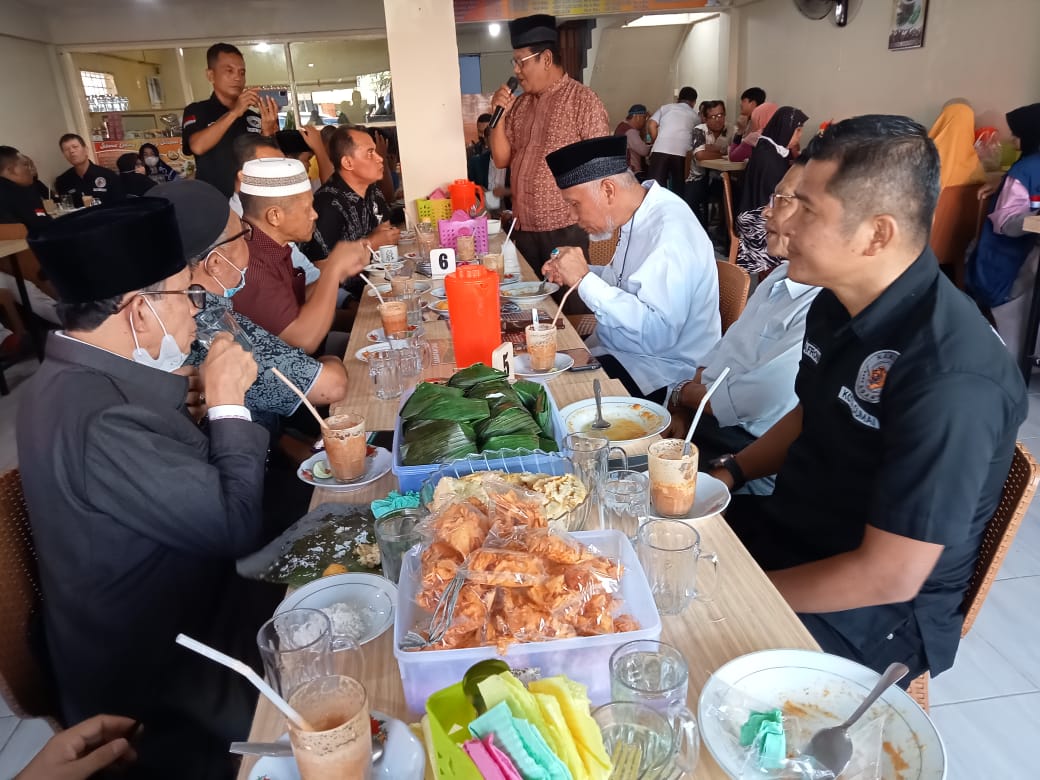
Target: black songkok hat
(532, 30)
(110, 250)
(201, 210)
(584, 161)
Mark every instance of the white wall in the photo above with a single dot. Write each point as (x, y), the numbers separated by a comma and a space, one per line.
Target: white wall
(34, 116)
(698, 61)
(985, 52)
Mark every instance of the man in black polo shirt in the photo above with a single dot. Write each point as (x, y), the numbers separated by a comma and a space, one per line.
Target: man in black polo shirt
(211, 126)
(85, 177)
(894, 458)
(350, 205)
(19, 200)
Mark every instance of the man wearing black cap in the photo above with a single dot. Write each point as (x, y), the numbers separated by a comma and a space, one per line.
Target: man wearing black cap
(632, 128)
(217, 253)
(137, 514)
(555, 110)
(657, 302)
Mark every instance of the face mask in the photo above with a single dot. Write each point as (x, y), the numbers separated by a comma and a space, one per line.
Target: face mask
(170, 356)
(151, 162)
(228, 293)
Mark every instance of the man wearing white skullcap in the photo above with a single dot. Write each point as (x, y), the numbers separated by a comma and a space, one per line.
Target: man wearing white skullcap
(277, 203)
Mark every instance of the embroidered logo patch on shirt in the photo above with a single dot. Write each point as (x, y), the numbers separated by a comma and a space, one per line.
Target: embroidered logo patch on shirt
(253, 123)
(811, 351)
(859, 414)
(873, 372)
(99, 183)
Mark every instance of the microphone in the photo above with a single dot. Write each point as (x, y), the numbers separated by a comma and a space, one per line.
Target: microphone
(495, 117)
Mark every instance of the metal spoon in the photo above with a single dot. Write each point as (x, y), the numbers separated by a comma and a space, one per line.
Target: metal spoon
(599, 423)
(832, 747)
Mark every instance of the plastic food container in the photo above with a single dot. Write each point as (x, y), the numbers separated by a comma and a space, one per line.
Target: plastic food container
(584, 659)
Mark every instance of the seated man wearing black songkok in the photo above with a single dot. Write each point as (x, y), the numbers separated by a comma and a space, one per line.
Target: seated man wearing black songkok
(137, 514)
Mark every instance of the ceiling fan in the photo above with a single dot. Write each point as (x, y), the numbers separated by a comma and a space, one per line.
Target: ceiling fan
(821, 9)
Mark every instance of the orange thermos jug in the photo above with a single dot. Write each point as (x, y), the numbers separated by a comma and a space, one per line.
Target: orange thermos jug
(476, 321)
(465, 194)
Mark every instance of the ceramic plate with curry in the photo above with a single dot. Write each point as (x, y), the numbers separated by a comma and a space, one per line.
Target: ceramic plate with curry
(631, 419)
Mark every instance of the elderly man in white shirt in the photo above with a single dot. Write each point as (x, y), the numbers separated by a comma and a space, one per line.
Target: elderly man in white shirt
(762, 350)
(657, 302)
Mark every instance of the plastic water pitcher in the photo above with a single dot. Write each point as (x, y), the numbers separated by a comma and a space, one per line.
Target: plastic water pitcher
(465, 194)
(476, 322)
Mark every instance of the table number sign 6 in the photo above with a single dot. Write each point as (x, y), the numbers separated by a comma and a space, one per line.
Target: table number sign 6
(442, 262)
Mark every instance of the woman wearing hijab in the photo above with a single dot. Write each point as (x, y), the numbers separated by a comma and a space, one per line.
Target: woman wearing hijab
(954, 137)
(157, 170)
(769, 162)
(1002, 272)
(760, 117)
(131, 175)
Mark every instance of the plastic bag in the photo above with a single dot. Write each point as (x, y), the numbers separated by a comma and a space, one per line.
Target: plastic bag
(734, 707)
(987, 146)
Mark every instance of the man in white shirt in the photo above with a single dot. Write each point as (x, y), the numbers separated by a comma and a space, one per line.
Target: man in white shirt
(657, 302)
(671, 130)
(762, 349)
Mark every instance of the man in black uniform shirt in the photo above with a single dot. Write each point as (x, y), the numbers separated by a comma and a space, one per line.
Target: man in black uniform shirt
(211, 126)
(19, 200)
(85, 177)
(894, 458)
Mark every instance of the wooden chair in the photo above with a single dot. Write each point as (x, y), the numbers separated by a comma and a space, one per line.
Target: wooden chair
(24, 685)
(734, 284)
(1000, 532)
(957, 222)
(731, 217)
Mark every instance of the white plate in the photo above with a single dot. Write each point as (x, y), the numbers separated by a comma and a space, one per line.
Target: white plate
(379, 267)
(522, 366)
(403, 757)
(384, 289)
(525, 294)
(379, 346)
(711, 498)
(440, 308)
(376, 336)
(438, 291)
(377, 463)
(650, 417)
(375, 596)
(509, 279)
(830, 686)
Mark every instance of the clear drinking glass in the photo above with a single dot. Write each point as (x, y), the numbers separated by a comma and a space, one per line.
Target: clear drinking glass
(346, 446)
(413, 310)
(384, 367)
(216, 319)
(393, 314)
(541, 346)
(427, 239)
(396, 534)
(669, 551)
(590, 454)
(661, 745)
(673, 477)
(295, 647)
(340, 746)
(413, 352)
(649, 672)
(625, 501)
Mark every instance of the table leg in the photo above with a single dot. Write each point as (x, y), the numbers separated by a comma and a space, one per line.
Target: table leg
(30, 323)
(727, 205)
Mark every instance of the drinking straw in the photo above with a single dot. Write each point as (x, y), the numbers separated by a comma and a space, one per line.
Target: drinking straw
(302, 396)
(246, 671)
(700, 409)
(563, 300)
(510, 231)
(369, 283)
(534, 316)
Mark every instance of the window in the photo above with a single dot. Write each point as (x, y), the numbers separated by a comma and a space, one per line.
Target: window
(97, 84)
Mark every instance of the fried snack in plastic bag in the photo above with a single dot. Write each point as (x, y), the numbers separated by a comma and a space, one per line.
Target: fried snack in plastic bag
(438, 565)
(501, 568)
(512, 506)
(461, 524)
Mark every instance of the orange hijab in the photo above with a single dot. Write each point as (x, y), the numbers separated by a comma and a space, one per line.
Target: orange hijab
(954, 137)
(759, 119)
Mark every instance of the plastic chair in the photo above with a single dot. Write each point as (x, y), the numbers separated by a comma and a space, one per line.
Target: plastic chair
(734, 284)
(1019, 488)
(958, 219)
(24, 684)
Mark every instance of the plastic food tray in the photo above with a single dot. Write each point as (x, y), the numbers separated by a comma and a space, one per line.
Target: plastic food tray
(584, 659)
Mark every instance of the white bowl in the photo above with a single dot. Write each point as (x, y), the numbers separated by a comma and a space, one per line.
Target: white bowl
(374, 596)
(494, 227)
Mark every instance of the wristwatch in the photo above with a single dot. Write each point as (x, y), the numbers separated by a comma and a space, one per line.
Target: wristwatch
(729, 462)
(675, 399)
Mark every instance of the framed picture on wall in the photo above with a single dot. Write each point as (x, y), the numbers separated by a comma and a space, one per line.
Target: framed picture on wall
(908, 19)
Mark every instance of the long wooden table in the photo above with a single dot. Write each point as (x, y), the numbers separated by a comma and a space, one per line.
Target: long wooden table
(755, 616)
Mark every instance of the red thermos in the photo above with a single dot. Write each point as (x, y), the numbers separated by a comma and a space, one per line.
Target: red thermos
(476, 321)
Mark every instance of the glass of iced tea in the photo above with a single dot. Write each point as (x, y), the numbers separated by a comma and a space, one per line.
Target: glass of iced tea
(541, 346)
(340, 745)
(394, 315)
(673, 477)
(345, 446)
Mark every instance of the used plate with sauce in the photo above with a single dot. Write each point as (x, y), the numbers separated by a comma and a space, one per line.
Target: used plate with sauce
(631, 419)
(820, 690)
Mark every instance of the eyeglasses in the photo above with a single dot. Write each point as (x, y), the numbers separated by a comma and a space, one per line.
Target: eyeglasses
(519, 63)
(716, 116)
(777, 196)
(246, 232)
(196, 296)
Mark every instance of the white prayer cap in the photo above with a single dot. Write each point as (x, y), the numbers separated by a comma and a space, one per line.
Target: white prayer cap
(274, 177)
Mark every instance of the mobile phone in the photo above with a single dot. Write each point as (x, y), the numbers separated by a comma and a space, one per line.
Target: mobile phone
(279, 96)
(583, 359)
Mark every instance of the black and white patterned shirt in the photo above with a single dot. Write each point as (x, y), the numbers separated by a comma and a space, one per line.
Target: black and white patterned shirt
(343, 215)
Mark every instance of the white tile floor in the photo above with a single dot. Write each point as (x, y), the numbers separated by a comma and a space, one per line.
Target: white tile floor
(987, 707)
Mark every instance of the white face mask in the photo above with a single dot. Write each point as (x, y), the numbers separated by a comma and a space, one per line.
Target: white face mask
(151, 162)
(170, 356)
